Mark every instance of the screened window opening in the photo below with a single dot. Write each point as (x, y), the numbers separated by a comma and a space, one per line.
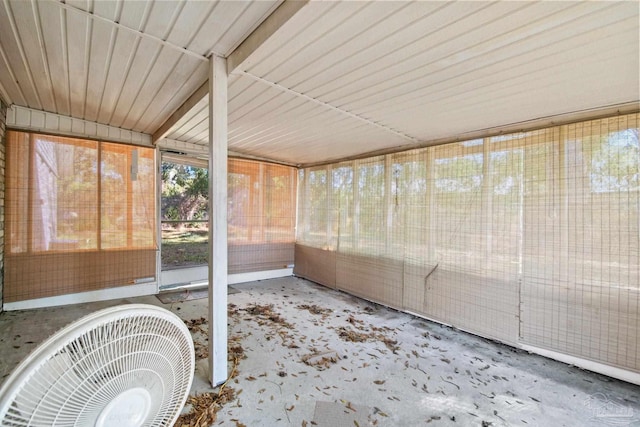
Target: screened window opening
(81, 215)
(260, 215)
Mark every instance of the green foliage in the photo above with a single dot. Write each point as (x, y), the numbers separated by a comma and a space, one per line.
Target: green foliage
(615, 163)
(184, 192)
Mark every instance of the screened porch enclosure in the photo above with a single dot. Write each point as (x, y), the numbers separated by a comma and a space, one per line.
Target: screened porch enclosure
(530, 238)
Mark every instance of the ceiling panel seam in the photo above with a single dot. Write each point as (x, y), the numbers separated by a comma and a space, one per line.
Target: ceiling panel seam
(64, 45)
(134, 31)
(211, 50)
(125, 77)
(329, 106)
(43, 53)
(113, 34)
(3, 90)
(373, 46)
(198, 27)
(159, 90)
(23, 56)
(88, 40)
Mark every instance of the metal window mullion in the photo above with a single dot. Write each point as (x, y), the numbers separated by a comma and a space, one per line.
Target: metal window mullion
(31, 192)
(564, 204)
(129, 164)
(329, 216)
(262, 182)
(99, 197)
(388, 204)
(487, 199)
(430, 201)
(356, 205)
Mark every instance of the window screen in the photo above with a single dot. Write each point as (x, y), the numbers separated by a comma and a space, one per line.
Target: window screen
(80, 215)
(261, 215)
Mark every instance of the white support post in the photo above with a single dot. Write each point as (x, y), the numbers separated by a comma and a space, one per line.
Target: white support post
(218, 220)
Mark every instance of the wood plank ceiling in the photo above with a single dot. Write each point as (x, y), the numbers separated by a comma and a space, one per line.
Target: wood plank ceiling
(338, 79)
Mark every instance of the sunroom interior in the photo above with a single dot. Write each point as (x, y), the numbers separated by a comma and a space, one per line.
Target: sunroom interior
(472, 163)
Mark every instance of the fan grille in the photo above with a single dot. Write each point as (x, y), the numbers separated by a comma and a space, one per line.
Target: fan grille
(125, 351)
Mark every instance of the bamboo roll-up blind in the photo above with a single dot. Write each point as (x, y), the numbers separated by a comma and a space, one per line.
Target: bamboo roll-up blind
(581, 278)
(261, 215)
(530, 237)
(81, 215)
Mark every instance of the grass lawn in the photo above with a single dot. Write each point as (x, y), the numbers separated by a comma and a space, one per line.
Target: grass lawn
(186, 247)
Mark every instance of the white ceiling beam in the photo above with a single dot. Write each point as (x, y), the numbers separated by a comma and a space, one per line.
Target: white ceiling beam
(187, 148)
(186, 106)
(263, 32)
(266, 29)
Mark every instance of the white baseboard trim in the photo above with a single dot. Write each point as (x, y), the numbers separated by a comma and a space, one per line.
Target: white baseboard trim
(197, 277)
(91, 296)
(601, 368)
(183, 276)
(259, 275)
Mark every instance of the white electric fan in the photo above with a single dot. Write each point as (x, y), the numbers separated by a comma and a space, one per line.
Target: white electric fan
(124, 366)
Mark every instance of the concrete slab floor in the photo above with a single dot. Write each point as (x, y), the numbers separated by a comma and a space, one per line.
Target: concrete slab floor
(365, 365)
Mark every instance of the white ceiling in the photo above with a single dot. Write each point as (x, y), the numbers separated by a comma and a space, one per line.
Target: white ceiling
(127, 63)
(337, 80)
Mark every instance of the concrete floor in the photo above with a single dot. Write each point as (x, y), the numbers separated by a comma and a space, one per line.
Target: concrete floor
(406, 371)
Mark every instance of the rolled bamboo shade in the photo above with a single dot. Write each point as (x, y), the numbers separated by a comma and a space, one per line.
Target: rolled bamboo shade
(81, 215)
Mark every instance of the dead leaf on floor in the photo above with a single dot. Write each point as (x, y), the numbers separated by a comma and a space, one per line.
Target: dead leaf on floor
(266, 312)
(237, 351)
(321, 360)
(204, 408)
(353, 336)
(377, 411)
(348, 334)
(314, 309)
(354, 321)
(194, 324)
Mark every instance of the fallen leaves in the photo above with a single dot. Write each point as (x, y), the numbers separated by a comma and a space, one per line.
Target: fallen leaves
(204, 408)
(198, 329)
(195, 325)
(266, 312)
(321, 360)
(348, 334)
(314, 309)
